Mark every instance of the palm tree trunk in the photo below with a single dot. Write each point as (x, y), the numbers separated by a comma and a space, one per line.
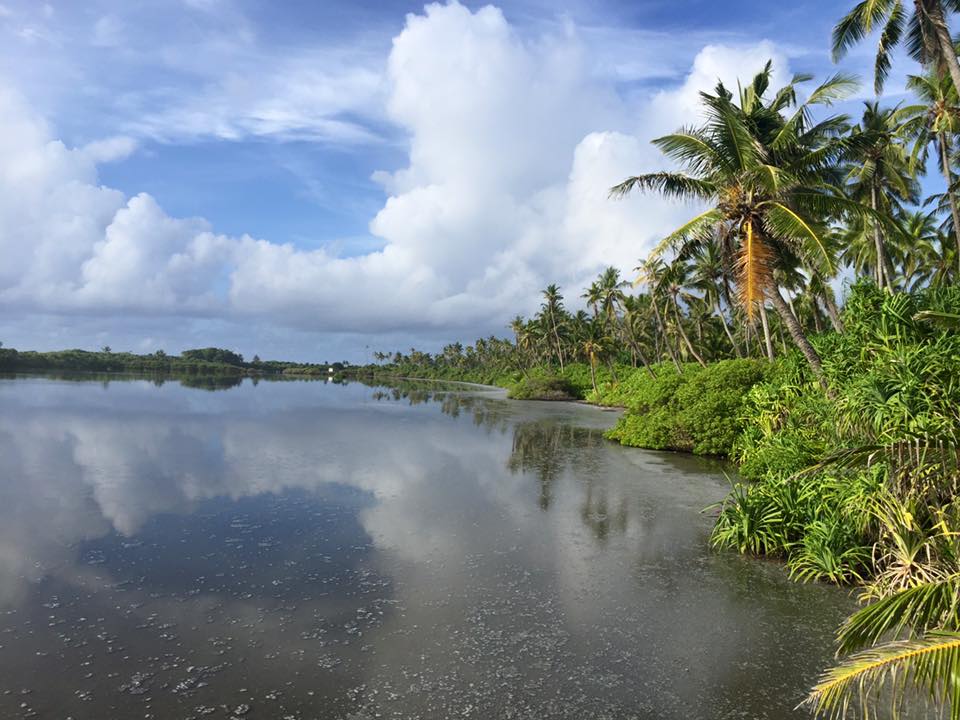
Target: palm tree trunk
(832, 312)
(593, 373)
(934, 11)
(796, 332)
(556, 336)
(726, 327)
(817, 321)
(666, 341)
(766, 331)
(683, 334)
(613, 370)
(948, 176)
(643, 360)
(882, 275)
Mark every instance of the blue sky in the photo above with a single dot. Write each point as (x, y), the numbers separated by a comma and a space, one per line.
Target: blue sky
(307, 179)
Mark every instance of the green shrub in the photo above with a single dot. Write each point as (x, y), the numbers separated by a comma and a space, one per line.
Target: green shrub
(697, 411)
(543, 387)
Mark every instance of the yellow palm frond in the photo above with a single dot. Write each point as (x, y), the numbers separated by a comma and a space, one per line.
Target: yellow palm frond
(754, 268)
(930, 665)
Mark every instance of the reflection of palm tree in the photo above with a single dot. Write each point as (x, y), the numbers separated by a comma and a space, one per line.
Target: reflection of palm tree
(546, 449)
(597, 515)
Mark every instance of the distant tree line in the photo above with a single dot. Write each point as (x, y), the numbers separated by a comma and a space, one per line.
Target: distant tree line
(200, 362)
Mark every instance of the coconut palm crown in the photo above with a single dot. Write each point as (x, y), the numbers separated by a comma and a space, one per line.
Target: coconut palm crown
(768, 174)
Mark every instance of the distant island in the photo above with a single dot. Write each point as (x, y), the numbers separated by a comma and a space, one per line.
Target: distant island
(198, 362)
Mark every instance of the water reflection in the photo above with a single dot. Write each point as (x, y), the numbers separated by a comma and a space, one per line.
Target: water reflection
(319, 551)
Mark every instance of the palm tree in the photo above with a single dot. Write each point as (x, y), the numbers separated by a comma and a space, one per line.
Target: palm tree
(673, 281)
(552, 310)
(651, 272)
(936, 120)
(592, 348)
(635, 322)
(611, 295)
(768, 181)
(592, 296)
(880, 176)
(922, 239)
(708, 278)
(928, 35)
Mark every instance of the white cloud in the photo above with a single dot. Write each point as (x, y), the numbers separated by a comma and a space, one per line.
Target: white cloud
(107, 32)
(513, 144)
(110, 149)
(314, 95)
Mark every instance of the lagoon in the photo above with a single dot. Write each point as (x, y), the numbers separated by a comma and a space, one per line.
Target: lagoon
(311, 550)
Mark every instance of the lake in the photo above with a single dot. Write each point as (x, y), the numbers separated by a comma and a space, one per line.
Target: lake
(310, 550)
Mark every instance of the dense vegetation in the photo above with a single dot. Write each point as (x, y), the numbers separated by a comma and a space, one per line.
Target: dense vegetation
(843, 414)
(204, 362)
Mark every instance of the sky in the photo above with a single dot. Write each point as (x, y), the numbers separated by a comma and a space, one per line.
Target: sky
(314, 180)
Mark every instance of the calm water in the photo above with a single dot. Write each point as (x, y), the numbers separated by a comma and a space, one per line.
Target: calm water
(309, 550)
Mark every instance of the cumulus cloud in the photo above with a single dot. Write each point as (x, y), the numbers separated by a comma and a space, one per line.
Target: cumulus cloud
(513, 144)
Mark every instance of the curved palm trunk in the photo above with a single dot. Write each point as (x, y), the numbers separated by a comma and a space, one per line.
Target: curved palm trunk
(556, 336)
(666, 341)
(817, 321)
(832, 312)
(767, 339)
(683, 334)
(934, 10)
(942, 141)
(797, 334)
(643, 360)
(726, 327)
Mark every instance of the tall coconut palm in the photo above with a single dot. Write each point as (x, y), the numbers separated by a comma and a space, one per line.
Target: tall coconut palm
(635, 322)
(708, 273)
(936, 120)
(767, 179)
(651, 273)
(592, 297)
(924, 240)
(673, 281)
(552, 310)
(611, 288)
(881, 176)
(927, 34)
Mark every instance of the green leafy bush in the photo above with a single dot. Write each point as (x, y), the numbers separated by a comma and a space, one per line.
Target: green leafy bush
(699, 411)
(543, 387)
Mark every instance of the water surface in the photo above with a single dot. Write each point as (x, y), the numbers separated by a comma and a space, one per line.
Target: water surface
(302, 550)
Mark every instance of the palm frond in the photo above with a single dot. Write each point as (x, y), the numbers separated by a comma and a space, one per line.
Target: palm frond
(889, 39)
(916, 609)
(950, 321)
(754, 268)
(836, 87)
(930, 664)
(691, 148)
(786, 223)
(670, 184)
(857, 24)
(695, 227)
(728, 127)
